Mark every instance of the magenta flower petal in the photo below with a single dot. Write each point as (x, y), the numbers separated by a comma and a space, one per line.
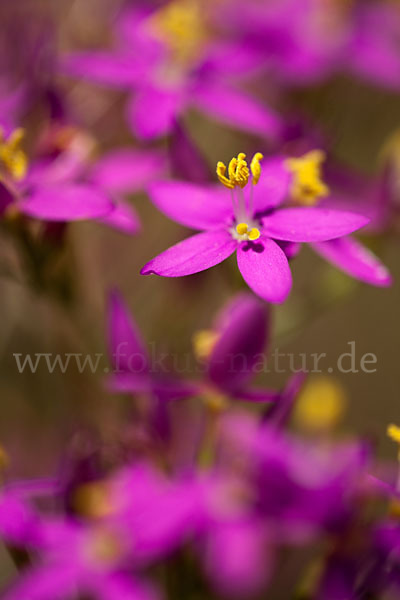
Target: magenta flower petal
(355, 259)
(257, 394)
(123, 217)
(67, 202)
(117, 586)
(273, 187)
(311, 224)
(186, 160)
(192, 255)
(6, 198)
(126, 347)
(127, 170)
(242, 335)
(238, 110)
(106, 68)
(129, 383)
(152, 111)
(238, 558)
(198, 207)
(265, 269)
(43, 583)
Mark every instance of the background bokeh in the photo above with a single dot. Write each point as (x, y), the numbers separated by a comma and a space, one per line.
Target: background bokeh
(40, 412)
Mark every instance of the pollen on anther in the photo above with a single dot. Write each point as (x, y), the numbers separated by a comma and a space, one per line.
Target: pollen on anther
(253, 234)
(255, 167)
(242, 228)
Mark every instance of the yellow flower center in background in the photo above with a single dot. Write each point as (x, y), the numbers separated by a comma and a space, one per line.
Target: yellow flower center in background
(12, 157)
(307, 186)
(181, 26)
(203, 342)
(320, 405)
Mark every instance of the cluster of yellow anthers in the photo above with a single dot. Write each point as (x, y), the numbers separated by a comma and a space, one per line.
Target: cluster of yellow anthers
(180, 24)
(238, 176)
(239, 172)
(307, 186)
(12, 157)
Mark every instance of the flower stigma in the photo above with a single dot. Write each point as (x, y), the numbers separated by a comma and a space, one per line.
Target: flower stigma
(247, 233)
(12, 157)
(307, 185)
(236, 177)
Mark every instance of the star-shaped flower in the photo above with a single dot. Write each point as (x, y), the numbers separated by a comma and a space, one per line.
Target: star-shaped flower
(248, 218)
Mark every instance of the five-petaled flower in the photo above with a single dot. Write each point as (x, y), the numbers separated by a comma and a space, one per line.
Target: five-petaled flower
(170, 61)
(248, 219)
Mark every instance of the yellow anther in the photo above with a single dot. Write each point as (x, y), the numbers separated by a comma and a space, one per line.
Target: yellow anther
(254, 234)
(203, 342)
(307, 186)
(221, 170)
(232, 169)
(255, 167)
(321, 404)
(393, 431)
(242, 228)
(238, 172)
(11, 156)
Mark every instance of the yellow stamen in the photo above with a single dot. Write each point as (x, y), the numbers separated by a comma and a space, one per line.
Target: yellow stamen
(254, 234)
(307, 186)
(11, 156)
(321, 404)
(242, 228)
(238, 172)
(221, 170)
(255, 167)
(204, 342)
